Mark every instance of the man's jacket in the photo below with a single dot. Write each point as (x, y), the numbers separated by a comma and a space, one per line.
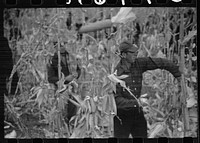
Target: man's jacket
(53, 69)
(134, 80)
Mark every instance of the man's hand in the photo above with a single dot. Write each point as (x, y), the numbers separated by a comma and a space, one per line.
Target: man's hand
(178, 83)
(70, 77)
(179, 79)
(8, 84)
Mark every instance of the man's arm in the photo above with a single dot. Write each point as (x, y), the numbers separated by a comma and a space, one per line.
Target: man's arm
(159, 63)
(78, 70)
(52, 76)
(53, 70)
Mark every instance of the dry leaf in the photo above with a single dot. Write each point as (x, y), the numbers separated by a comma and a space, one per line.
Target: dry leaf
(159, 127)
(194, 79)
(160, 54)
(191, 102)
(113, 78)
(144, 100)
(122, 76)
(169, 132)
(144, 95)
(190, 91)
(13, 134)
(125, 14)
(189, 36)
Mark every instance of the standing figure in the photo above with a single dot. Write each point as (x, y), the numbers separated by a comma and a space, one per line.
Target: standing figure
(132, 117)
(53, 77)
(6, 62)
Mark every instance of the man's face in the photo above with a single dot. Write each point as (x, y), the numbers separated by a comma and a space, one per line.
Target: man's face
(63, 51)
(131, 56)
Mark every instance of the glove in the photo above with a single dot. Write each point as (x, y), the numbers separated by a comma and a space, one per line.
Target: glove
(178, 83)
(70, 77)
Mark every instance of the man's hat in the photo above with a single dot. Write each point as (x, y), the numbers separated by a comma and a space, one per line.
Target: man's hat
(126, 46)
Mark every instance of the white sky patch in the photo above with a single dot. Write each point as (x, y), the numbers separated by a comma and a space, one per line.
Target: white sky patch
(176, 0)
(149, 1)
(123, 2)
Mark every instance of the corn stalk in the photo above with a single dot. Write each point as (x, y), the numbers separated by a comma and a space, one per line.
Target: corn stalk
(59, 58)
(182, 67)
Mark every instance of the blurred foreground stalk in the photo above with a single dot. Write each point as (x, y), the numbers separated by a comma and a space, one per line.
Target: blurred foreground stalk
(182, 67)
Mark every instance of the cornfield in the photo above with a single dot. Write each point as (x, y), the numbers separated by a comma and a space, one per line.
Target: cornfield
(36, 109)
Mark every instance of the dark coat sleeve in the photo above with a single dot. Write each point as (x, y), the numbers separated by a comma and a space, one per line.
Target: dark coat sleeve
(159, 63)
(78, 69)
(53, 70)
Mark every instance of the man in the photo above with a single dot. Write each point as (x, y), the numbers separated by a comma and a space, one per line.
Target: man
(6, 62)
(53, 77)
(132, 117)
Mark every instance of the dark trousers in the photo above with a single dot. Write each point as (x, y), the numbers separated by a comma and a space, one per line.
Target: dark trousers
(132, 122)
(69, 111)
